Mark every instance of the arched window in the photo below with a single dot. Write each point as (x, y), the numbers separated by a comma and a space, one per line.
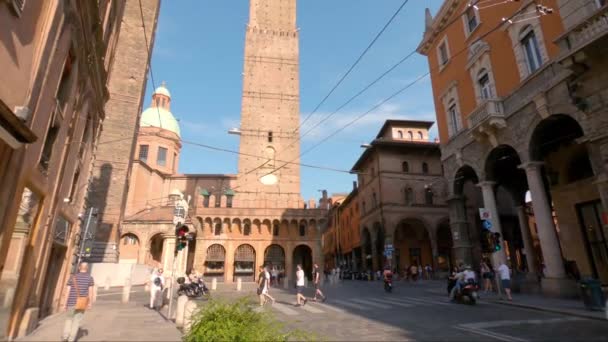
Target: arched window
(428, 196)
(410, 135)
(269, 153)
(218, 229)
(425, 168)
(400, 134)
(483, 82)
(405, 167)
(247, 229)
(420, 136)
(302, 230)
(130, 239)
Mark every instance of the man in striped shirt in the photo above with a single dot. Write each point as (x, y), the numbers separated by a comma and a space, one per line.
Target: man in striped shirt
(84, 283)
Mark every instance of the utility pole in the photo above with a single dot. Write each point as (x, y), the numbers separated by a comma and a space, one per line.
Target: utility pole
(179, 218)
(85, 237)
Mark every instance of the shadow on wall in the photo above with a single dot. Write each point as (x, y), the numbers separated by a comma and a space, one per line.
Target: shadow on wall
(99, 199)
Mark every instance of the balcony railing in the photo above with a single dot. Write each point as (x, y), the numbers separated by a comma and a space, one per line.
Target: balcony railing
(588, 31)
(489, 112)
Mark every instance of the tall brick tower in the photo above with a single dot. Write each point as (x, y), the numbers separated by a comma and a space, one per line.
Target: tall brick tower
(111, 171)
(270, 113)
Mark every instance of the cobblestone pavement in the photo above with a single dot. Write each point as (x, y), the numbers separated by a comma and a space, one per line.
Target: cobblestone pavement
(362, 311)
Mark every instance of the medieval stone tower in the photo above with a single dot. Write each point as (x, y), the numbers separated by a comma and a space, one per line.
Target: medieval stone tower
(113, 158)
(270, 113)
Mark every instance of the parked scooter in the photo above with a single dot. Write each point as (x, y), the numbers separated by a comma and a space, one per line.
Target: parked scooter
(192, 290)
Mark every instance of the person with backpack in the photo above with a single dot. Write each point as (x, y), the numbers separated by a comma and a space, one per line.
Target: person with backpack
(157, 284)
(263, 285)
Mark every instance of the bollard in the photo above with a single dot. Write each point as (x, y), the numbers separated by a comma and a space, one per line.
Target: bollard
(107, 286)
(95, 289)
(214, 284)
(180, 310)
(126, 291)
(239, 284)
(286, 283)
(8, 297)
(190, 310)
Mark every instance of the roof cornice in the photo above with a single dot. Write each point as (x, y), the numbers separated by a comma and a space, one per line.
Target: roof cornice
(439, 23)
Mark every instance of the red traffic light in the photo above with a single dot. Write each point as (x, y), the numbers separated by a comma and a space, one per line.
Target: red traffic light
(182, 230)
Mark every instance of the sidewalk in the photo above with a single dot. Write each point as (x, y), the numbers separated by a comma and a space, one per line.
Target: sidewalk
(111, 321)
(572, 307)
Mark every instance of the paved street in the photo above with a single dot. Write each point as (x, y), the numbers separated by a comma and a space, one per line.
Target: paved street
(362, 311)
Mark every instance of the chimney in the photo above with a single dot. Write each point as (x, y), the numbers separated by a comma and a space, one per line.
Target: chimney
(354, 185)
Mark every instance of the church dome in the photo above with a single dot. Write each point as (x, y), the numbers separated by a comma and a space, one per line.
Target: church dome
(159, 113)
(162, 90)
(161, 118)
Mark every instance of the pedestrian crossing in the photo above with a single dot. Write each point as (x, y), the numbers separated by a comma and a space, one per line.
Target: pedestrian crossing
(346, 305)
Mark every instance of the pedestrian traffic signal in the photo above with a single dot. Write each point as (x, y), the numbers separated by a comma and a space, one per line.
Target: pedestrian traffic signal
(181, 237)
(497, 243)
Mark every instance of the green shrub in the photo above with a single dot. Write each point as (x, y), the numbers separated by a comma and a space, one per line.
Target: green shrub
(221, 321)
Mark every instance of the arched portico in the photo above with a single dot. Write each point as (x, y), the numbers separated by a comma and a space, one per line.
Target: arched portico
(412, 244)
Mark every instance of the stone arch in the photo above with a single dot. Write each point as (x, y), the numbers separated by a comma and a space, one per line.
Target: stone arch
(303, 228)
(218, 228)
(445, 255)
(293, 227)
(257, 226)
(412, 241)
(276, 227)
(199, 225)
(366, 244)
(244, 262)
(247, 227)
(303, 255)
(502, 166)
(215, 262)
(274, 256)
(208, 225)
(463, 174)
(267, 226)
(284, 227)
(155, 254)
(237, 225)
(130, 245)
(226, 225)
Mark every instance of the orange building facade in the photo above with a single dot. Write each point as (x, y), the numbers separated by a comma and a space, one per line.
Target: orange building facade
(518, 95)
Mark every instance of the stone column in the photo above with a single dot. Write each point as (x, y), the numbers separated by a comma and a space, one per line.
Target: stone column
(434, 250)
(555, 281)
(229, 263)
(353, 260)
(374, 256)
(290, 272)
(527, 237)
(543, 214)
(489, 202)
(460, 230)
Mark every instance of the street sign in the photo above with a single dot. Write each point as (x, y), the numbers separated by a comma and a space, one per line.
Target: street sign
(388, 253)
(487, 224)
(484, 214)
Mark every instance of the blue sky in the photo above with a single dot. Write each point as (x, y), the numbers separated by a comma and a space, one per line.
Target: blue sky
(199, 53)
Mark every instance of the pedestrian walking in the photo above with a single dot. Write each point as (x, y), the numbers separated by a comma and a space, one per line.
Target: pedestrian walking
(300, 298)
(429, 271)
(274, 276)
(316, 279)
(263, 286)
(157, 285)
(80, 299)
(505, 279)
(487, 275)
(414, 272)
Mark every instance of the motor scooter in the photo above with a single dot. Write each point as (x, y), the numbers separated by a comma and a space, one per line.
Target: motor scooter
(388, 285)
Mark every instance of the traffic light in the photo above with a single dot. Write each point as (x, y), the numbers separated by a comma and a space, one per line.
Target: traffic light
(497, 243)
(487, 241)
(181, 237)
